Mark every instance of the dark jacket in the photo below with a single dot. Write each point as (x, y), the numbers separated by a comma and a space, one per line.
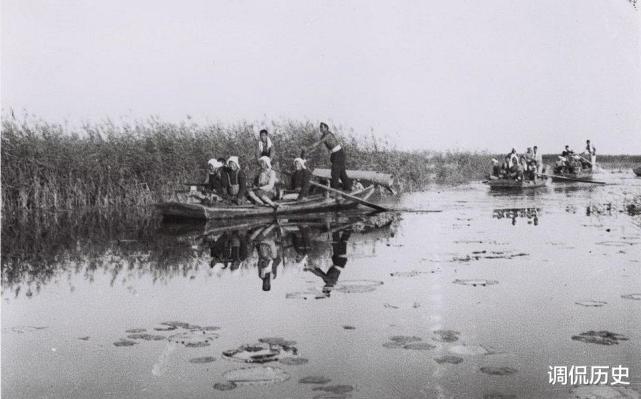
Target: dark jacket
(231, 178)
(301, 181)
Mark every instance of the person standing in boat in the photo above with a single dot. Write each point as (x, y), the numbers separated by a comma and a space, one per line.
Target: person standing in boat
(264, 190)
(234, 181)
(538, 159)
(301, 178)
(337, 158)
(265, 145)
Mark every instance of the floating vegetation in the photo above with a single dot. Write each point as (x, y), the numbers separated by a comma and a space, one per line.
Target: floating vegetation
(491, 370)
(446, 335)
(193, 339)
(600, 337)
(225, 386)
(475, 282)
(269, 350)
(616, 243)
(135, 330)
(84, 338)
(390, 306)
(404, 339)
(337, 389)
(293, 361)
(448, 359)
(392, 345)
(603, 392)
(419, 346)
(24, 329)
(634, 297)
(210, 328)
(496, 395)
(256, 375)
(166, 328)
(311, 294)
(147, 337)
(470, 350)
(591, 303)
(413, 273)
(125, 342)
(331, 396)
(349, 328)
(478, 255)
(357, 286)
(314, 379)
(176, 324)
(201, 360)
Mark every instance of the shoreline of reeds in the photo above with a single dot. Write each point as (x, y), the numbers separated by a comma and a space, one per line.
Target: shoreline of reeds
(49, 167)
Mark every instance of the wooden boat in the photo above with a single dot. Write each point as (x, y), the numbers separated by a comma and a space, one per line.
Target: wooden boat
(510, 184)
(637, 171)
(315, 203)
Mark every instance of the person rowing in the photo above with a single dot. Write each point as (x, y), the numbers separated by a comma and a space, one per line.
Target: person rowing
(264, 190)
(337, 158)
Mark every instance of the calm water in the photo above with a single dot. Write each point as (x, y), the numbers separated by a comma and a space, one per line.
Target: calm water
(502, 273)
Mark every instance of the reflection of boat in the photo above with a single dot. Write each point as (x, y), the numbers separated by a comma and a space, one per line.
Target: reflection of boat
(510, 184)
(637, 171)
(315, 203)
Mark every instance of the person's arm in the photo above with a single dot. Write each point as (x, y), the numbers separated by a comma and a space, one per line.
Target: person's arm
(270, 185)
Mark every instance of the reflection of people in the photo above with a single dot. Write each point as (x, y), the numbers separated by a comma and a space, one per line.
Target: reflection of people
(268, 256)
(339, 260)
(229, 248)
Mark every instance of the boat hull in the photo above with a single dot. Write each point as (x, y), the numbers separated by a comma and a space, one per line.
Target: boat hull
(637, 171)
(318, 203)
(508, 184)
(584, 175)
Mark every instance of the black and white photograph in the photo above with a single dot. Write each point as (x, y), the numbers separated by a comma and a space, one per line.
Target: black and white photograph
(324, 199)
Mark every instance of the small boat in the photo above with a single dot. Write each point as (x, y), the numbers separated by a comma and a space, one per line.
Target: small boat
(584, 174)
(315, 203)
(510, 184)
(637, 171)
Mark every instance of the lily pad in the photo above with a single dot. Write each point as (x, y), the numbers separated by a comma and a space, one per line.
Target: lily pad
(176, 324)
(210, 328)
(125, 342)
(491, 370)
(193, 339)
(337, 389)
(470, 350)
(261, 352)
(314, 379)
(305, 295)
(328, 395)
(446, 335)
(24, 329)
(357, 286)
(147, 337)
(591, 303)
(393, 345)
(135, 330)
(419, 346)
(603, 392)
(413, 273)
(404, 339)
(634, 297)
(448, 359)
(256, 375)
(349, 328)
(600, 337)
(293, 361)
(279, 341)
(225, 386)
(496, 395)
(201, 360)
(475, 282)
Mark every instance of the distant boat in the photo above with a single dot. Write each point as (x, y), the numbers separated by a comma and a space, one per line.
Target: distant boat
(511, 184)
(314, 203)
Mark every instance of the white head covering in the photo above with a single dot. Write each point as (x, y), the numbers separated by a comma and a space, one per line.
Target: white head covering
(301, 161)
(494, 160)
(214, 163)
(234, 159)
(267, 161)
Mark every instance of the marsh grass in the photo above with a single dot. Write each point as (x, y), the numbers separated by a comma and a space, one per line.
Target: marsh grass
(51, 167)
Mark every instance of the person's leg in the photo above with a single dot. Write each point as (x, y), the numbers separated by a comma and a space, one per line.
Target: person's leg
(347, 182)
(268, 201)
(336, 171)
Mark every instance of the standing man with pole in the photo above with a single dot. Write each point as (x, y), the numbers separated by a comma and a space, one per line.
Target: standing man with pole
(337, 157)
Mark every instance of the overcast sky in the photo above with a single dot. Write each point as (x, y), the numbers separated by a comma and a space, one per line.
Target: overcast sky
(444, 74)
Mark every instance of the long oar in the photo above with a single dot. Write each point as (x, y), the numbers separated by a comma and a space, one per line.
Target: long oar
(360, 200)
(572, 179)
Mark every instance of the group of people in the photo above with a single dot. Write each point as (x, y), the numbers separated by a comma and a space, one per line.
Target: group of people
(226, 180)
(520, 167)
(570, 162)
(529, 165)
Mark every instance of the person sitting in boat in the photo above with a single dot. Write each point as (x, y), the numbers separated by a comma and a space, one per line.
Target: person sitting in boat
(264, 190)
(513, 155)
(265, 145)
(538, 159)
(496, 170)
(213, 181)
(516, 171)
(301, 178)
(234, 181)
(567, 152)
